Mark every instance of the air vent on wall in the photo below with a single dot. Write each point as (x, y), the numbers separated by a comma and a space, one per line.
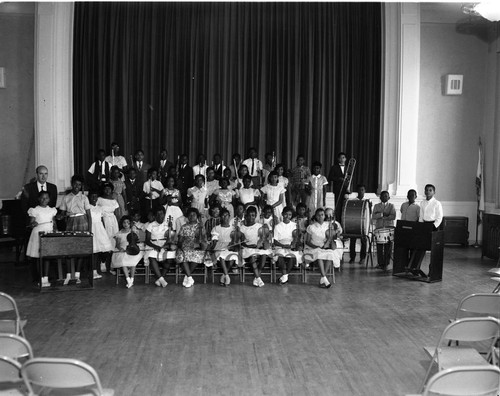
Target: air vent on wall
(453, 84)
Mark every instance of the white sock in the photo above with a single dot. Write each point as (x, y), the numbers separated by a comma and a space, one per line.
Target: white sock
(77, 275)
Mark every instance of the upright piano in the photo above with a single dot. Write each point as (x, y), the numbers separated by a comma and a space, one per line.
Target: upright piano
(418, 236)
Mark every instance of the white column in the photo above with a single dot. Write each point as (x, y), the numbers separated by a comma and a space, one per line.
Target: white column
(54, 90)
(401, 96)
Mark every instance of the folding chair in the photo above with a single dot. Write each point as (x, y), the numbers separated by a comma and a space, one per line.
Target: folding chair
(58, 374)
(311, 270)
(470, 330)
(465, 380)
(10, 379)
(10, 326)
(15, 347)
(141, 270)
(268, 270)
(479, 305)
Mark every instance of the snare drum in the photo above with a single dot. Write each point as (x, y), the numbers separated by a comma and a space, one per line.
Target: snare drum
(356, 217)
(383, 235)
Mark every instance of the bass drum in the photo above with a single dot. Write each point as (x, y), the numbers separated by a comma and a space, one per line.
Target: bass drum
(356, 217)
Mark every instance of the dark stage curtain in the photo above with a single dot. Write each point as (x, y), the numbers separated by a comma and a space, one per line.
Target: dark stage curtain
(222, 77)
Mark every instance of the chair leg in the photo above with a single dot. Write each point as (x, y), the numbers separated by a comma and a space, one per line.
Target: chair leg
(118, 275)
(147, 273)
(427, 374)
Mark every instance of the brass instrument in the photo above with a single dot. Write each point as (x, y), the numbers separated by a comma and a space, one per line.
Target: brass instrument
(349, 170)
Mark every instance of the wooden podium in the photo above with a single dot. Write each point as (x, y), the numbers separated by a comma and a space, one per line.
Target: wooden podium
(66, 246)
(410, 235)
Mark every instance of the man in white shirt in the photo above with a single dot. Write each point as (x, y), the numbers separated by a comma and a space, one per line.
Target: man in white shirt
(431, 211)
(254, 166)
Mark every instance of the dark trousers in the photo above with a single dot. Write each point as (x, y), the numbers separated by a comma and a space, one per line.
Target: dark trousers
(298, 195)
(352, 248)
(384, 254)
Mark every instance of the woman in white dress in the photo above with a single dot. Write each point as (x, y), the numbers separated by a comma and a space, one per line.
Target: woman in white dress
(110, 211)
(42, 220)
(318, 248)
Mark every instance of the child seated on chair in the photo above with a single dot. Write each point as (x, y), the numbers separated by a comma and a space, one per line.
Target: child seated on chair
(191, 245)
(162, 242)
(320, 245)
(121, 258)
(255, 251)
(223, 236)
(286, 241)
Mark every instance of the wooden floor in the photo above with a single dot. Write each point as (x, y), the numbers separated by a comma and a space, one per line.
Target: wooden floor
(364, 336)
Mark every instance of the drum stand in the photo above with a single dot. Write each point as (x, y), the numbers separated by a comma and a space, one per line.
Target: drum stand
(369, 236)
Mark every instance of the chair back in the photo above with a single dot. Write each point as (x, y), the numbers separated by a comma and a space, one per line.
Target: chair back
(472, 330)
(8, 304)
(60, 373)
(481, 304)
(15, 347)
(9, 369)
(465, 381)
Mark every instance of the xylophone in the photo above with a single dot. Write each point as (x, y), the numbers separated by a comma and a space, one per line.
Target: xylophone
(68, 245)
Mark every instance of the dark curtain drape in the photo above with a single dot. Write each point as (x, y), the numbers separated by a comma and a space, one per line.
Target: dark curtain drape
(222, 77)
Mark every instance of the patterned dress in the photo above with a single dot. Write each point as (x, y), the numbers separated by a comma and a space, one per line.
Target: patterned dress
(225, 198)
(119, 187)
(191, 235)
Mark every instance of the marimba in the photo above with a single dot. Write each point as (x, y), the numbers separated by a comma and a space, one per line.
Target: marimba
(68, 245)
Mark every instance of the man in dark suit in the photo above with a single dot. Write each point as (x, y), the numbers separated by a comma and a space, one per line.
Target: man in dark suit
(29, 199)
(163, 166)
(141, 167)
(184, 178)
(336, 179)
(133, 191)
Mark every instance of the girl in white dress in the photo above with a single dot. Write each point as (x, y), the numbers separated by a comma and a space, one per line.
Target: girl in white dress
(283, 182)
(42, 220)
(274, 194)
(101, 242)
(198, 196)
(316, 249)
(253, 249)
(225, 254)
(110, 211)
(248, 195)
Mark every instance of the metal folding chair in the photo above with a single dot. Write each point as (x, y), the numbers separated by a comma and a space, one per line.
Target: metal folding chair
(15, 325)
(58, 374)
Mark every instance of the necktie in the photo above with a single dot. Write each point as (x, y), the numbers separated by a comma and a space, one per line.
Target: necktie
(43, 187)
(140, 165)
(253, 167)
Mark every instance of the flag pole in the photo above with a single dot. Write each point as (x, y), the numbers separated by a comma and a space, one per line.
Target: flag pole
(479, 191)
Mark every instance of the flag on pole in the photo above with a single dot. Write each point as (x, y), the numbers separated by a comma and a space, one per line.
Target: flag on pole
(480, 184)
